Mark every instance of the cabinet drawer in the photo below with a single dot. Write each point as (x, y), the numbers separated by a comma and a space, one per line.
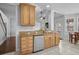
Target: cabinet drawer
(24, 47)
(30, 45)
(30, 41)
(23, 43)
(30, 48)
(23, 39)
(30, 38)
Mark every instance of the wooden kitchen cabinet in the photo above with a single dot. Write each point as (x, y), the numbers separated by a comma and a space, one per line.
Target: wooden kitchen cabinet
(24, 11)
(57, 38)
(32, 15)
(26, 44)
(26, 41)
(53, 40)
(47, 42)
(27, 12)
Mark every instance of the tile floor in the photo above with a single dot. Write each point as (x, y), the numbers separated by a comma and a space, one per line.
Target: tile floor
(65, 48)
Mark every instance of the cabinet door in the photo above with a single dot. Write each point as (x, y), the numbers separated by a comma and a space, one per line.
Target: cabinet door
(57, 39)
(23, 43)
(32, 15)
(47, 42)
(30, 42)
(25, 14)
(52, 41)
(30, 45)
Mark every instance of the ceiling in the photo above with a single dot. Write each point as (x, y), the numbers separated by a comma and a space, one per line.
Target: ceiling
(8, 9)
(66, 8)
(40, 6)
(45, 8)
(62, 8)
(57, 15)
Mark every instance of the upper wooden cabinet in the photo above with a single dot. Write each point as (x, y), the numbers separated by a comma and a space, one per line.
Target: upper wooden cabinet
(32, 15)
(27, 12)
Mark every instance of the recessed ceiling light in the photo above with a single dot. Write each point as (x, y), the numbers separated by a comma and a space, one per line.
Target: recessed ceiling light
(41, 18)
(47, 6)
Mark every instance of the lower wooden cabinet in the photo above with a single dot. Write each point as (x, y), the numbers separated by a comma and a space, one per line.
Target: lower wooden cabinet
(26, 45)
(57, 38)
(26, 41)
(47, 42)
(51, 40)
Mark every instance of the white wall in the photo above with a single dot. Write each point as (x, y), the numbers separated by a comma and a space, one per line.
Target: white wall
(66, 8)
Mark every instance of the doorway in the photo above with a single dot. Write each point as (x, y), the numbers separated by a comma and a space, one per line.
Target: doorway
(59, 24)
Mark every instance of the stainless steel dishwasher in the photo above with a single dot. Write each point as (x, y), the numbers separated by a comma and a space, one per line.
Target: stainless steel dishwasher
(38, 43)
